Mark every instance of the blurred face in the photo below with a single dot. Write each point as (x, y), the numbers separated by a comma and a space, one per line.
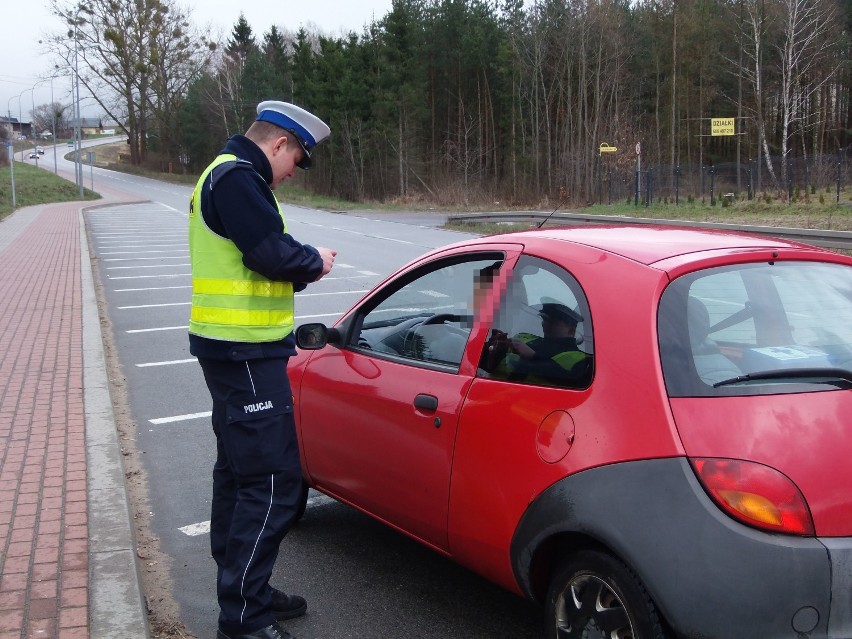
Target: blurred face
(284, 154)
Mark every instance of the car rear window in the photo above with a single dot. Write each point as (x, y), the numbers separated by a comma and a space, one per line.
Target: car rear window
(757, 329)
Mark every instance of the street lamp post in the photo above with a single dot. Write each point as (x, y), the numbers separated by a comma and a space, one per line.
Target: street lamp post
(21, 118)
(77, 130)
(53, 126)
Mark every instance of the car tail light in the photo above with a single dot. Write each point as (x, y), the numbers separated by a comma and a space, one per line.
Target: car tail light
(755, 494)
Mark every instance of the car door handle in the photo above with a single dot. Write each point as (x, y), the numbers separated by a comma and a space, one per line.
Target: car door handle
(426, 402)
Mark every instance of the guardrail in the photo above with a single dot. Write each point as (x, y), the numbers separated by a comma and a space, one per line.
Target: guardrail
(818, 237)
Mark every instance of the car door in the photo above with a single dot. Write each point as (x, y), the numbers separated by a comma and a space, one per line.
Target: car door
(379, 415)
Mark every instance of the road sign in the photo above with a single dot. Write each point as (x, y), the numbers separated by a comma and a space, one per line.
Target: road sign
(606, 148)
(722, 126)
(638, 148)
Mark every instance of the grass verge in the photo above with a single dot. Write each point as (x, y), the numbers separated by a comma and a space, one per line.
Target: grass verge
(36, 186)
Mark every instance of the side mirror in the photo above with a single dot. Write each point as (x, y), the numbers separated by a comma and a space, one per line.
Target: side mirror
(312, 337)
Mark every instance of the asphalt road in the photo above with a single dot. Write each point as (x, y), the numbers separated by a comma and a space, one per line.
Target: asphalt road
(361, 578)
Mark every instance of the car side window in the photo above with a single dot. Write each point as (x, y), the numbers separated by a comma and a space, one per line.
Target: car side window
(429, 315)
(542, 329)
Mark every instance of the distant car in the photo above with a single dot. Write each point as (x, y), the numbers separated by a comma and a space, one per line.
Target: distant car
(33, 155)
(678, 466)
(39, 150)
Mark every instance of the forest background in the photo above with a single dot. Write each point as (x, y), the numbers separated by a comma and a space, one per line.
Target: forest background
(471, 101)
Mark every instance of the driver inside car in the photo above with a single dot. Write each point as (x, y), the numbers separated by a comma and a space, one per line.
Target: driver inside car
(553, 358)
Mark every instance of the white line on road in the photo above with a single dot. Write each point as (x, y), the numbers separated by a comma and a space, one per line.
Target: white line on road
(174, 250)
(125, 268)
(193, 530)
(180, 418)
(171, 363)
(136, 259)
(162, 328)
(332, 293)
(152, 288)
(203, 527)
(177, 328)
(142, 277)
(124, 308)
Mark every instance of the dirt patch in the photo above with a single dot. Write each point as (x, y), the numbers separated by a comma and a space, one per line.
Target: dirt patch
(154, 566)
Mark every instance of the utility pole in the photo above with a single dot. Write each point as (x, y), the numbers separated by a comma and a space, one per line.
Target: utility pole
(78, 161)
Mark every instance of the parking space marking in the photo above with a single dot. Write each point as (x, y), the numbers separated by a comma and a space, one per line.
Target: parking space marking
(180, 418)
(146, 245)
(332, 293)
(124, 308)
(203, 527)
(124, 268)
(151, 288)
(162, 328)
(136, 259)
(142, 277)
(193, 530)
(185, 328)
(171, 363)
(145, 252)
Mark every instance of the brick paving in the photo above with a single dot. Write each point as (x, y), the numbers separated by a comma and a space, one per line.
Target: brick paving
(67, 555)
(44, 527)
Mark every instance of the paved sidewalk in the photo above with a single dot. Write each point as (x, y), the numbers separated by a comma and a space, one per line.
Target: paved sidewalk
(67, 556)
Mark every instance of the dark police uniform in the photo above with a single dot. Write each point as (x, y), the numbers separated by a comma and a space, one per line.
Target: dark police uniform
(241, 332)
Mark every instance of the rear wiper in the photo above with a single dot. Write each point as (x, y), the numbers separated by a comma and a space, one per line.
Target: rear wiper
(799, 373)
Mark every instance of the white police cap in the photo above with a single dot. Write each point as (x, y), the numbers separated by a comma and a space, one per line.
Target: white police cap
(308, 128)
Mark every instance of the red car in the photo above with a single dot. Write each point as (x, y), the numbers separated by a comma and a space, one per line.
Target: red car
(648, 430)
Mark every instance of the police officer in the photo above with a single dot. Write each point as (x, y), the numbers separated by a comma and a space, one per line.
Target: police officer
(245, 268)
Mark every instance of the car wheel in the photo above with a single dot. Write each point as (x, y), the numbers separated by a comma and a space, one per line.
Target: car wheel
(595, 596)
(302, 504)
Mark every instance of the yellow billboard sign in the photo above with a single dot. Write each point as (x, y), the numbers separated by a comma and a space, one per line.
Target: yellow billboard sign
(606, 148)
(723, 126)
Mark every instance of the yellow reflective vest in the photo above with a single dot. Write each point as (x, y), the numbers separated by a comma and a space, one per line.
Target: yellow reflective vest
(229, 301)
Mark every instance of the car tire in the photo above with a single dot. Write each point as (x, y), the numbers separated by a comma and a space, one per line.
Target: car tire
(593, 595)
(302, 504)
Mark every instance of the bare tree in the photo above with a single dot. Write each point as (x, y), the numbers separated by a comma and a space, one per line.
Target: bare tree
(117, 49)
(754, 27)
(46, 117)
(807, 39)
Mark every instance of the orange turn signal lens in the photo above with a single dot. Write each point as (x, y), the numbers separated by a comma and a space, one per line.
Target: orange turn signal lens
(755, 494)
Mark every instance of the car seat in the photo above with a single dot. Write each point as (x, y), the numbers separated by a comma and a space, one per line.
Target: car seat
(710, 364)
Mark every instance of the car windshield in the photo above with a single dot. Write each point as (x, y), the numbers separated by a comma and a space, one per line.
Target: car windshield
(757, 329)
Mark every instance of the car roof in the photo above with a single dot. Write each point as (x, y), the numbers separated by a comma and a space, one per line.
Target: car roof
(649, 244)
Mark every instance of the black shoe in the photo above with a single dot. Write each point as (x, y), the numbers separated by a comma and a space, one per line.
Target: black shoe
(270, 632)
(286, 606)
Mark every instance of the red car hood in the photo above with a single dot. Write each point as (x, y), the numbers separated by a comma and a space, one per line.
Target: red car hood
(806, 436)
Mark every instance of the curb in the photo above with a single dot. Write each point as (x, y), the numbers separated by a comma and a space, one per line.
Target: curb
(116, 603)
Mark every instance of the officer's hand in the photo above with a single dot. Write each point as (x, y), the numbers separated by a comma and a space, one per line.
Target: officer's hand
(327, 256)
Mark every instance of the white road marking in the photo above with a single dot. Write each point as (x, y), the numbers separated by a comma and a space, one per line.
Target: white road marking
(136, 259)
(124, 308)
(193, 530)
(142, 277)
(152, 288)
(171, 363)
(174, 250)
(180, 418)
(125, 268)
(332, 293)
(162, 328)
(203, 527)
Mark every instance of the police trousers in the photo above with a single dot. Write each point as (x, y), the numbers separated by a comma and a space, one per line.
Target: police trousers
(257, 484)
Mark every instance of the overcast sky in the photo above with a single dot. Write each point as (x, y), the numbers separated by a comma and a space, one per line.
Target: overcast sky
(23, 61)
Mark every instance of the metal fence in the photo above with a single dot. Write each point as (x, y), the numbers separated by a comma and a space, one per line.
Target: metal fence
(823, 176)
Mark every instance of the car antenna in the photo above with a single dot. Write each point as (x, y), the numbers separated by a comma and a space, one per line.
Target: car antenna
(558, 206)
